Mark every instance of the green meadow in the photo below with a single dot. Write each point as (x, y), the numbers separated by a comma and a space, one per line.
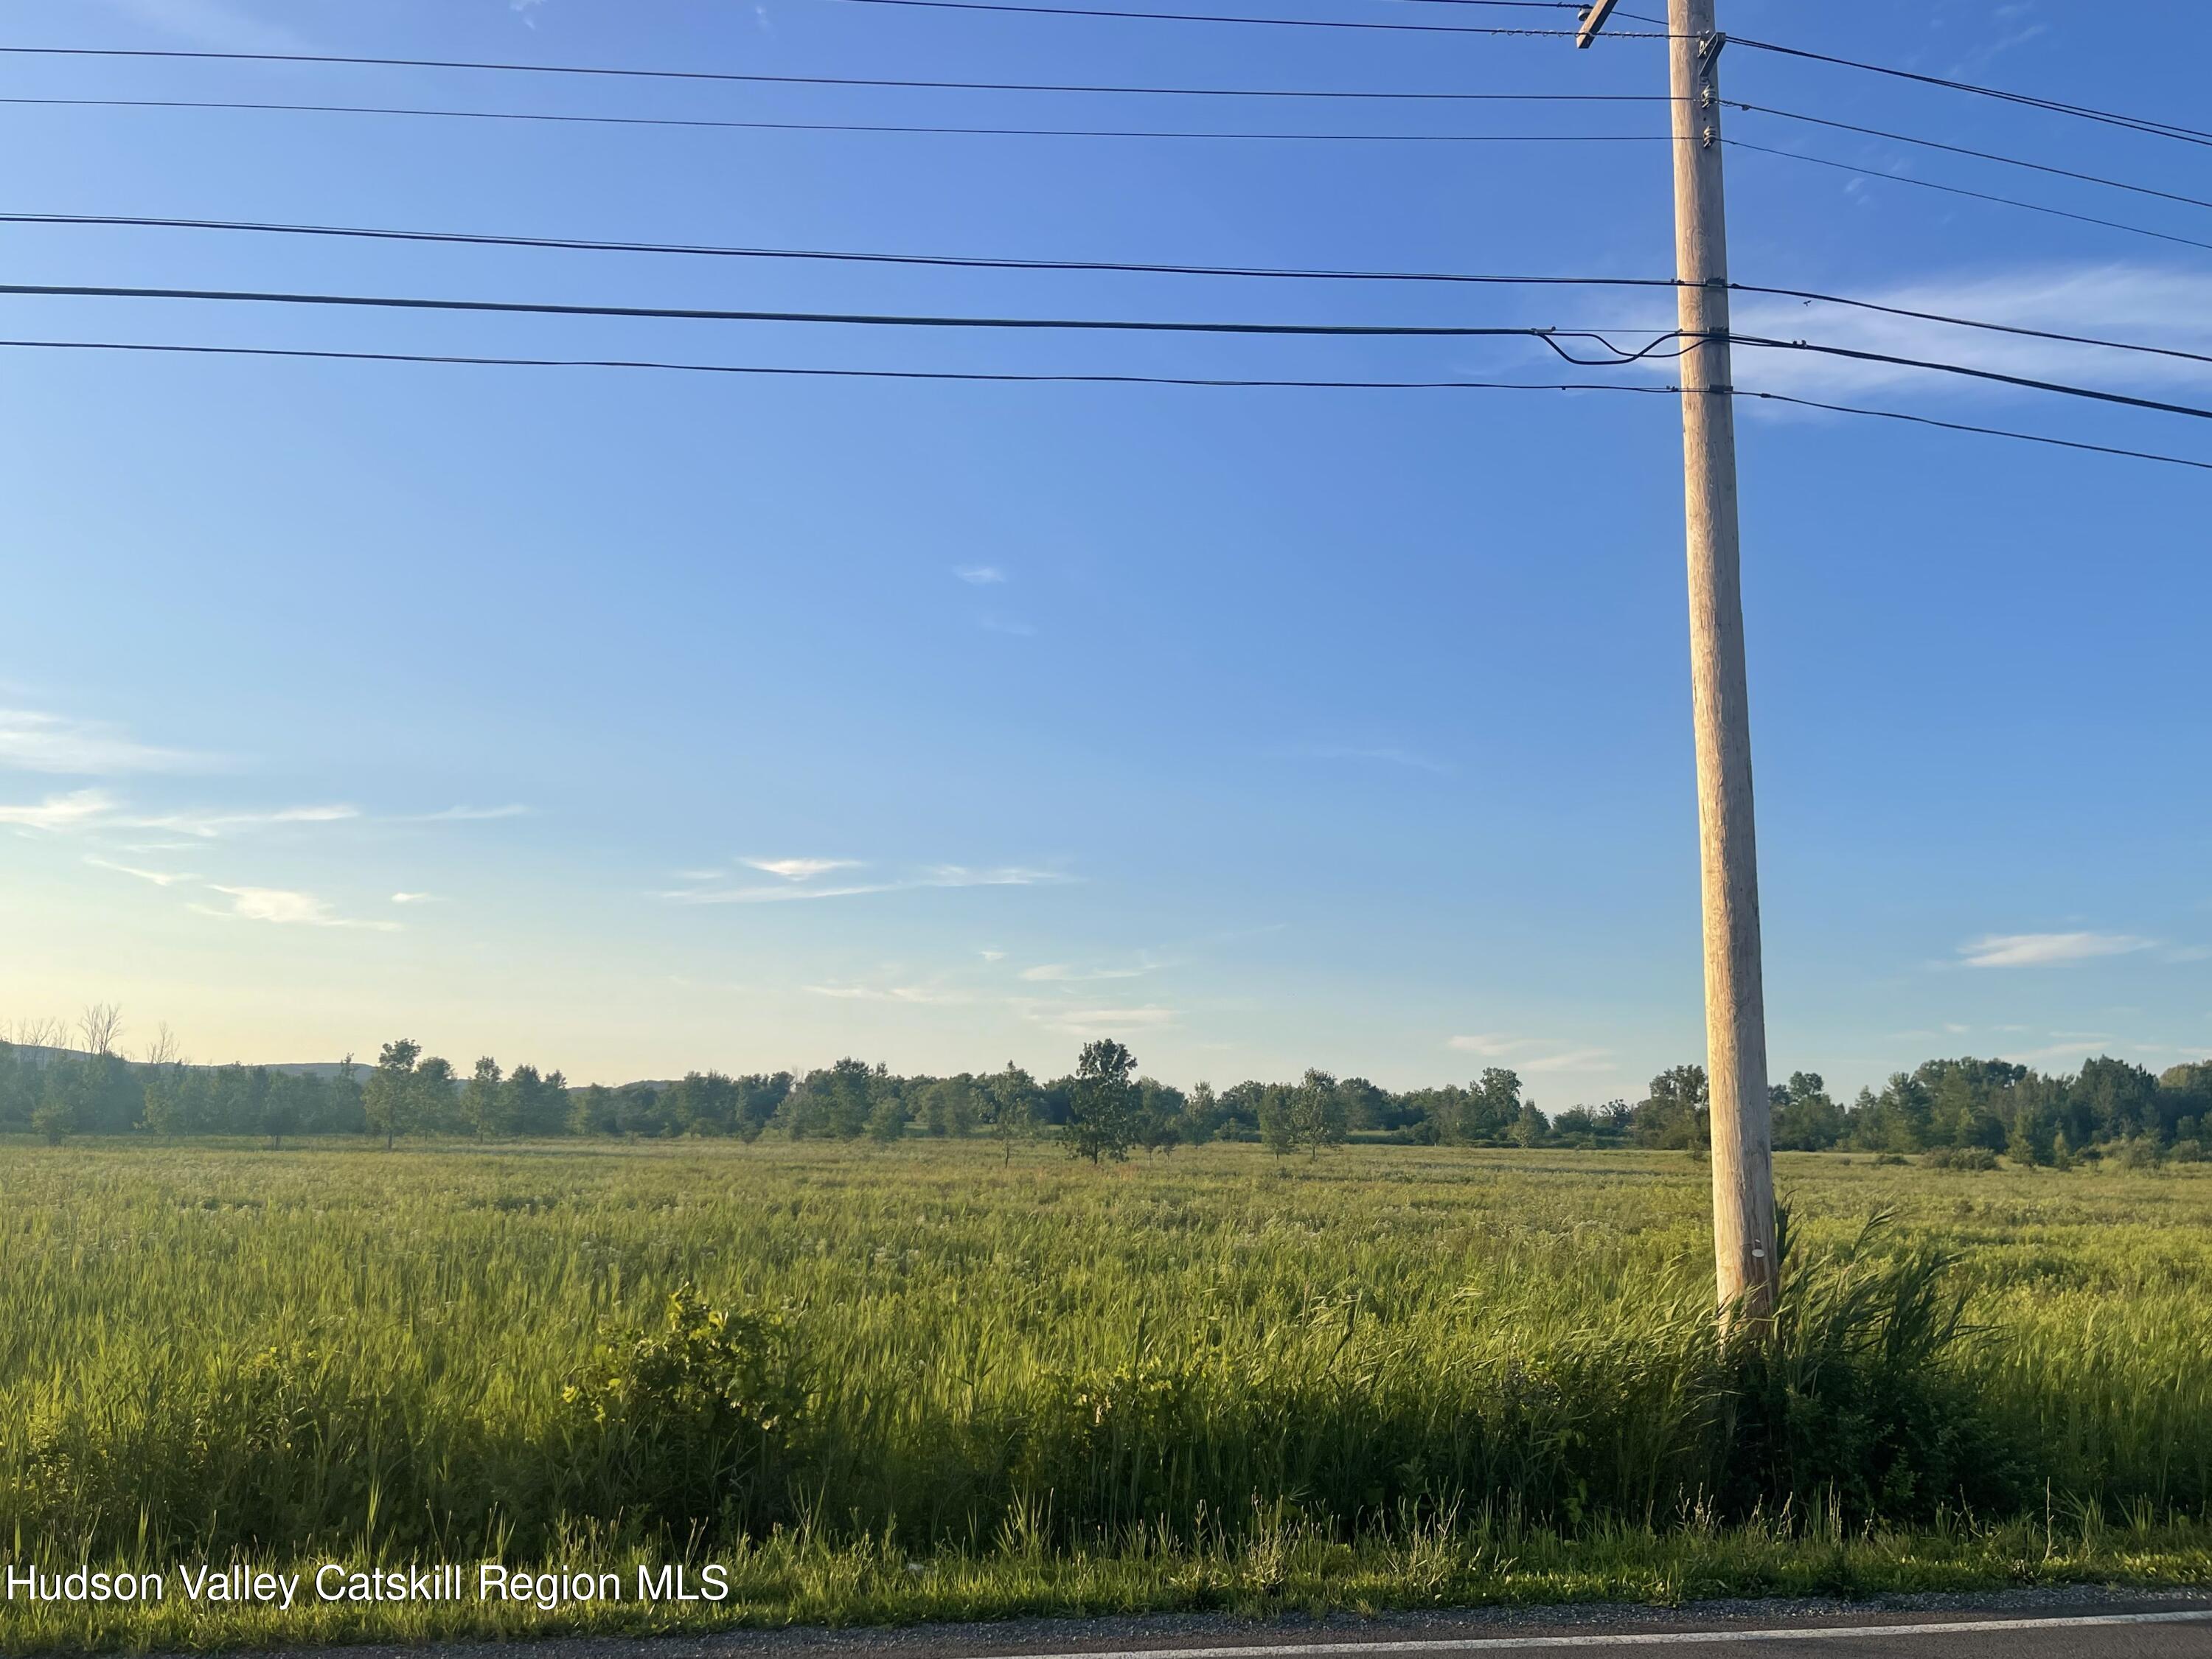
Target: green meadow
(932, 1380)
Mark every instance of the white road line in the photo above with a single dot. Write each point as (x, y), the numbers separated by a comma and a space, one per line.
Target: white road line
(1664, 1639)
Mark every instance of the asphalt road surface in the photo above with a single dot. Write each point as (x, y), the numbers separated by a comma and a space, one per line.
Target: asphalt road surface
(2062, 1623)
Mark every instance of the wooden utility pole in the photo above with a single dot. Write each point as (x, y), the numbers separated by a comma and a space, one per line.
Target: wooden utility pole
(1735, 1003)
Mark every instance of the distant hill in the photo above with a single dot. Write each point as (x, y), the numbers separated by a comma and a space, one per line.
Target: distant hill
(45, 1055)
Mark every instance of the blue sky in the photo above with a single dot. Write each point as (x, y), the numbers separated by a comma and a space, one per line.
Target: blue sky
(633, 723)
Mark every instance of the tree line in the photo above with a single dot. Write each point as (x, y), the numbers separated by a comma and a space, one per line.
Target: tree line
(1958, 1110)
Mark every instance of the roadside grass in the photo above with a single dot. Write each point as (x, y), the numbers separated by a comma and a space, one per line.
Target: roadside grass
(926, 1385)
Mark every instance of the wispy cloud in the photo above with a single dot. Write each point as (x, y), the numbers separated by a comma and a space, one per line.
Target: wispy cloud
(799, 869)
(413, 898)
(213, 826)
(1059, 973)
(2047, 949)
(943, 875)
(464, 814)
(286, 907)
(158, 877)
(1517, 1050)
(33, 741)
(1087, 1023)
(80, 807)
(2151, 304)
(980, 575)
(1574, 1059)
(922, 995)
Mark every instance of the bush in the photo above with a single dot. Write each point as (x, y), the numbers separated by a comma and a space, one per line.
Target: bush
(1980, 1159)
(2186, 1151)
(690, 1427)
(1854, 1404)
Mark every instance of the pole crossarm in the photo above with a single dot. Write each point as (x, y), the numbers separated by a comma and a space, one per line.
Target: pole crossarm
(1593, 19)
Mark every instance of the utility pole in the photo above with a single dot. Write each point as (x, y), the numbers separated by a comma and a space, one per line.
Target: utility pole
(1735, 1002)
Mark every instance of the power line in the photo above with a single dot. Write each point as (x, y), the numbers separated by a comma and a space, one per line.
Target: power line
(978, 262)
(2133, 123)
(1966, 426)
(1269, 22)
(1550, 336)
(908, 84)
(362, 62)
(1976, 195)
(2027, 382)
(1979, 154)
(869, 126)
(665, 366)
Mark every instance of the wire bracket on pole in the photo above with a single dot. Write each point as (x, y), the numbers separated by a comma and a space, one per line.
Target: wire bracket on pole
(1709, 49)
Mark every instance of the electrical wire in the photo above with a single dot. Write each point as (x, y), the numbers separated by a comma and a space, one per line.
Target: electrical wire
(1117, 267)
(932, 86)
(973, 262)
(2027, 382)
(1976, 195)
(2133, 123)
(1268, 23)
(1966, 426)
(760, 370)
(866, 126)
(1979, 154)
(1549, 337)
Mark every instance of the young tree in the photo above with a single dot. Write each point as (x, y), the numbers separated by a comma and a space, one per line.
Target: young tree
(1102, 1118)
(389, 1099)
(481, 1100)
(948, 1106)
(1013, 1095)
(437, 1103)
(887, 1123)
(1532, 1128)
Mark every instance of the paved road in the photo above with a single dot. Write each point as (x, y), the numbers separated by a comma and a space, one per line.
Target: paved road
(2065, 1624)
(2164, 1632)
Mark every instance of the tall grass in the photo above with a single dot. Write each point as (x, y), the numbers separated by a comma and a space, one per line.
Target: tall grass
(433, 1352)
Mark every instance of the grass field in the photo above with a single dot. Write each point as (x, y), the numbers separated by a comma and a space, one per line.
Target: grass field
(951, 1387)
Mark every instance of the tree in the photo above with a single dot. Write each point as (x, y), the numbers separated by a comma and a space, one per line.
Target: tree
(887, 1123)
(1531, 1128)
(1674, 1114)
(1804, 1119)
(1102, 1119)
(389, 1099)
(1160, 1113)
(1324, 1119)
(949, 1106)
(100, 1025)
(436, 1101)
(1013, 1095)
(703, 1104)
(758, 1098)
(482, 1100)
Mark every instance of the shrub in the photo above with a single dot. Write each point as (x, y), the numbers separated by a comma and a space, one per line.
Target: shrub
(1855, 1405)
(1980, 1159)
(689, 1426)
